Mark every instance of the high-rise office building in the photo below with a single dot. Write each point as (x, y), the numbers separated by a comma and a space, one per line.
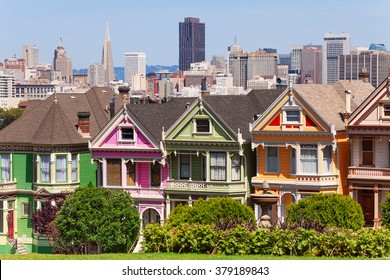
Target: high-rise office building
(311, 64)
(108, 63)
(135, 63)
(333, 46)
(192, 43)
(31, 55)
(96, 75)
(296, 58)
(63, 64)
(368, 65)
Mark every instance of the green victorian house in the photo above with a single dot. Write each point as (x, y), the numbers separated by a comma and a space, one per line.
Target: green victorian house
(43, 153)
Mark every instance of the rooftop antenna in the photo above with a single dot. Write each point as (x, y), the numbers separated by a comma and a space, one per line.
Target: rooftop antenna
(61, 41)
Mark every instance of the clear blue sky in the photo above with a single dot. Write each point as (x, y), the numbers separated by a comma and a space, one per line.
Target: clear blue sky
(152, 26)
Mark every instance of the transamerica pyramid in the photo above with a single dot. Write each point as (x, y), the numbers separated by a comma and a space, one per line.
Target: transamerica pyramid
(107, 61)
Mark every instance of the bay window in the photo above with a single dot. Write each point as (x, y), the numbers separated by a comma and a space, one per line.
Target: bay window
(236, 168)
(327, 159)
(74, 167)
(367, 152)
(130, 166)
(5, 167)
(61, 168)
(185, 166)
(114, 172)
(272, 156)
(45, 168)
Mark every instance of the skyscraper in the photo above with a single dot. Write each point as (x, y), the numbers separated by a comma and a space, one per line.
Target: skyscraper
(31, 55)
(311, 64)
(192, 43)
(63, 64)
(333, 46)
(108, 63)
(135, 63)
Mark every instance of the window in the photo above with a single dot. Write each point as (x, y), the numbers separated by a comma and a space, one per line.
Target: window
(127, 134)
(386, 110)
(293, 116)
(367, 152)
(203, 126)
(61, 168)
(293, 161)
(236, 168)
(74, 167)
(1, 216)
(155, 171)
(5, 167)
(185, 166)
(272, 157)
(26, 210)
(309, 159)
(327, 159)
(114, 172)
(218, 166)
(130, 167)
(45, 168)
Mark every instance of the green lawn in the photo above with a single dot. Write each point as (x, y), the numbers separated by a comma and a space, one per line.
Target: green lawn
(161, 256)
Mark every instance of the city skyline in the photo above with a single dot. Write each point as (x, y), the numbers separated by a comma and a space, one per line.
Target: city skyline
(154, 29)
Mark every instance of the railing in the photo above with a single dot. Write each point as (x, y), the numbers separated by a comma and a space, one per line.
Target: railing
(216, 186)
(146, 192)
(368, 172)
(7, 185)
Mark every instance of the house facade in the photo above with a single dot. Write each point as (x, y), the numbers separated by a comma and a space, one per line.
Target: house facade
(301, 146)
(43, 153)
(369, 165)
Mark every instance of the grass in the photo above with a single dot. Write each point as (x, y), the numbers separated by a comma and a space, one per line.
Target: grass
(162, 256)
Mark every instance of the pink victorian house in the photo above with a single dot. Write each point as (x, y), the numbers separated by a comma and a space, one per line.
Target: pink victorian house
(129, 158)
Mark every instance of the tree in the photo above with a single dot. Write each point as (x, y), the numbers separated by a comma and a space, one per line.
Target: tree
(332, 210)
(385, 206)
(218, 210)
(97, 215)
(8, 116)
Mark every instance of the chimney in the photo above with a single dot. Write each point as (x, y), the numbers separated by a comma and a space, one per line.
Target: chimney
(364, 75)
(124, 93)
(348, 101)
(83, 123)
(112, 107)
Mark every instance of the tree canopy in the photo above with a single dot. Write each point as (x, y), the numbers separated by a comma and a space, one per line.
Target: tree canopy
(98, 215)
(7, 116)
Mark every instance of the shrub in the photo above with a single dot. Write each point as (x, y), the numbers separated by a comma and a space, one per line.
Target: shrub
(211, 212)
(332, 210)
(385, 206)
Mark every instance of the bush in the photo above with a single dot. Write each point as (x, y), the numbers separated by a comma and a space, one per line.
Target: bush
(219, 210)
(385, 206)
(331, 210)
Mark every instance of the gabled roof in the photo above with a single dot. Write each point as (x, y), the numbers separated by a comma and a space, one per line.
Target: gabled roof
(329, 100)
(53, 121)
(237, 111)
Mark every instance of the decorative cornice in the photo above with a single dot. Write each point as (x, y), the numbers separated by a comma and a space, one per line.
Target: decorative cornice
(51, 149)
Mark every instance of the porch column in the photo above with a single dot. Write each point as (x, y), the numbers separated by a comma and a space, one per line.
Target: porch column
(228, 167)
(123, 172)
(53, 173)
(257, 216)
(69, 167)
(190, 200)
(168, 206)
(350, 189)
(207, 166)
(279, 212)
(104, 172)
(376, 206)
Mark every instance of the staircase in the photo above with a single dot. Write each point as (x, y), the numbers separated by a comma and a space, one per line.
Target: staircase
(20, 250)
(138, 247)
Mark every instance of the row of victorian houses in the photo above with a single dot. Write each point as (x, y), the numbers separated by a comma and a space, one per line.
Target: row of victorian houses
(267, 149)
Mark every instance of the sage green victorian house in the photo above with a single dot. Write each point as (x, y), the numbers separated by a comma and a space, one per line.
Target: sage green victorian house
(208, 148)
(43, 153)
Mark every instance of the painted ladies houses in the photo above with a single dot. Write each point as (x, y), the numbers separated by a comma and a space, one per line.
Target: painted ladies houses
(43, 153)
(369, 166)
(301, 144)
(176, 152)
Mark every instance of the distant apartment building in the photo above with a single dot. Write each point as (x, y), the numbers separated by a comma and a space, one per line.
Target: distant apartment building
(370, 65)
(63, 64)
(282, 71)
(135, 63)
(192, 42)
(224, 86)
(259, 82)
(245, 66)
(16, 66)
(33, 91)
(219, 62)
(31, 55)
(296, 59)
(96, 75)
(284, 59)
(311, 64)
(7, 90)
(199, 71)
(138, 82)
(333, 46)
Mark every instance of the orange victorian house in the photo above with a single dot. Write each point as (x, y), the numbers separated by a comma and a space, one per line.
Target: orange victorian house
(301, 145)
(369, 136)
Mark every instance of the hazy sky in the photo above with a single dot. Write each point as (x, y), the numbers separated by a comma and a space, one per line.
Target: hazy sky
(153, 26)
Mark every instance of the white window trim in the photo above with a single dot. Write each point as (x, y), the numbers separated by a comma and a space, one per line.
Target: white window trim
(194, 131)
(266, 161)
(121, 140)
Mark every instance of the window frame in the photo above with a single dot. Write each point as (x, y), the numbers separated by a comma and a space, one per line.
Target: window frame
(363, 152)
(287, 121)
(293, 161)
(267, 158)
(126, 140)
(74, 168)
(302, 160)
(325, 160)
(41, 168)
(57, 169)
(218, 167)
(196, 126)
(108, 164)
(152, 169)
(134, 172)
(24, 215)
(181, 177)
(6, 169)
(238, 166)
(386, 110)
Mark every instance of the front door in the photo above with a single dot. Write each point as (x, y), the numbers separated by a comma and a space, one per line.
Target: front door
(366, 200)
(10, 223)
(150, 216)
